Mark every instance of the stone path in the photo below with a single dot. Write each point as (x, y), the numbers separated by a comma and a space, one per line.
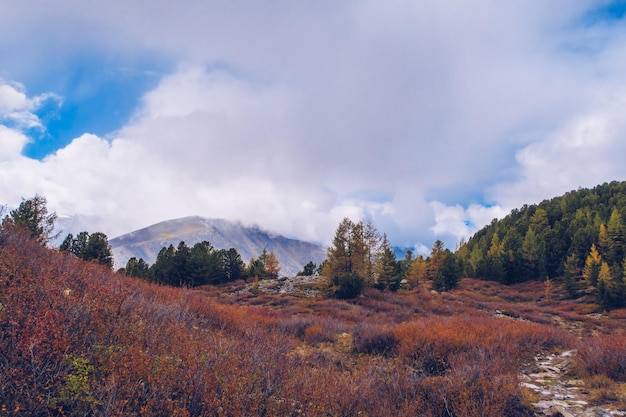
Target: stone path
(560, 396)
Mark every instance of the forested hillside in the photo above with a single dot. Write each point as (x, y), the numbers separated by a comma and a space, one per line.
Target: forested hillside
(580, 235)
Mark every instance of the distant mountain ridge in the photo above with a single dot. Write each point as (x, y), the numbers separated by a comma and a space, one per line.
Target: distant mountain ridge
(146, 243)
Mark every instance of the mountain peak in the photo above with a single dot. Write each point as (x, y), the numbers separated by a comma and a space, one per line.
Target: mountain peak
(146, 243)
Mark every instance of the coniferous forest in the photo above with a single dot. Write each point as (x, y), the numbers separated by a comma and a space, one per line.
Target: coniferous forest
(580, 236)
(377, 337)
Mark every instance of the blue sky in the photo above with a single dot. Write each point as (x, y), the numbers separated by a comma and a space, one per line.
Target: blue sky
(98, 97)
(431, 118)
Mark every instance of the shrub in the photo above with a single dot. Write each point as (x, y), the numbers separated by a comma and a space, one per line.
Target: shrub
(603, 355)
(348, 286)
(375, 340)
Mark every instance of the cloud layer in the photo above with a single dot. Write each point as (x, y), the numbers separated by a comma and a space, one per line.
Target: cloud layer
(430, 118)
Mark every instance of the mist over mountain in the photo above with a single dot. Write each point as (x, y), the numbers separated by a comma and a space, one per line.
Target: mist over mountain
(222, 234)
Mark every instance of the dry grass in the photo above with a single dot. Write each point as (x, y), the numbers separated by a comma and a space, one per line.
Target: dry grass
(81, 340)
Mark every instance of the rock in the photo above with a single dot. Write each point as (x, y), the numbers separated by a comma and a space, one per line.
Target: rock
(559, 411)
(595, 412)
(560, 397)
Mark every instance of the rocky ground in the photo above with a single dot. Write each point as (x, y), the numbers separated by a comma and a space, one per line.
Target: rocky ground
(300, 286)
(548, 377)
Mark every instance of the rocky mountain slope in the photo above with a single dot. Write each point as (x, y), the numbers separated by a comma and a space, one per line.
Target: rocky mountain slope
(222, 234)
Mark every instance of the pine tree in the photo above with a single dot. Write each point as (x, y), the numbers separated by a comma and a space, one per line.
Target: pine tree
(94, 247)
(604, 287)
(435, 262)
(447, 277)
(530, 254)
(359, 252)
(32, 216)
(617, 237)
(387, 274)
(137, 268)
(98, 250)
(570, 272)
(372, 239)
(339, 260)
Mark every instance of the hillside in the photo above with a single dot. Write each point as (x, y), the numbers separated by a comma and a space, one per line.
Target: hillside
(146, 243)
(79, 339)
(553, 238)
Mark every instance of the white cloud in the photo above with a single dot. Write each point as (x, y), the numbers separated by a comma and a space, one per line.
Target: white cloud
(12, 143)
(17, 109)
(295, 114)
(455, 223)
(585, 151)
(12, 98)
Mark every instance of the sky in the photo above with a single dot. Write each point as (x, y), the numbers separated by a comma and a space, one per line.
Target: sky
(429, 118)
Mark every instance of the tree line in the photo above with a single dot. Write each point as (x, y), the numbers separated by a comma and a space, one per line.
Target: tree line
(201, 264)
(361, 257)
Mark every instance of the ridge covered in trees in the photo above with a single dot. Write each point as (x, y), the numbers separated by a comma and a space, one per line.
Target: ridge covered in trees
(580, 236)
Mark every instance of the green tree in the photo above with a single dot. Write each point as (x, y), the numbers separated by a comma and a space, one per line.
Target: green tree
(98, 250)
(137, 268)
(359, 253)
(339, 260)
(233, 265)
(347, 286)
(308, 270)
(404, 265)
(532, 254)
(265, 266)
(372, 240)
(570, 272)
(617, 237)
(447, 277)
(32, 216)
(349, 253)
(203, 265)
(435, 261)
(387, 272)
(94, 247)
(161, 270)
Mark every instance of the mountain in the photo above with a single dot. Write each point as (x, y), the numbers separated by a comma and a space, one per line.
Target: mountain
(146, 243)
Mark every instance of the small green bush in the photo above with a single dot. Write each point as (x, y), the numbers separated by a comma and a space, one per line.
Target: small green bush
(348, 286)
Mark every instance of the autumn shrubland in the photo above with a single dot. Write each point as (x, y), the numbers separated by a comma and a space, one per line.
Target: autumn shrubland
(79, 339)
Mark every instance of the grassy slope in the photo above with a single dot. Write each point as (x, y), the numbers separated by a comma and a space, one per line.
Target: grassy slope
(78, 339)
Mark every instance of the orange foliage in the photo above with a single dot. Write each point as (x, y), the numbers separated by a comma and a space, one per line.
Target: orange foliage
(78, 339)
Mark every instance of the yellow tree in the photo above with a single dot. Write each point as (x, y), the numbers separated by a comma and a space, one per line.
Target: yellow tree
(591, 271)
(603, 241)
(417, 271)
(496, 246)
(272, 267)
